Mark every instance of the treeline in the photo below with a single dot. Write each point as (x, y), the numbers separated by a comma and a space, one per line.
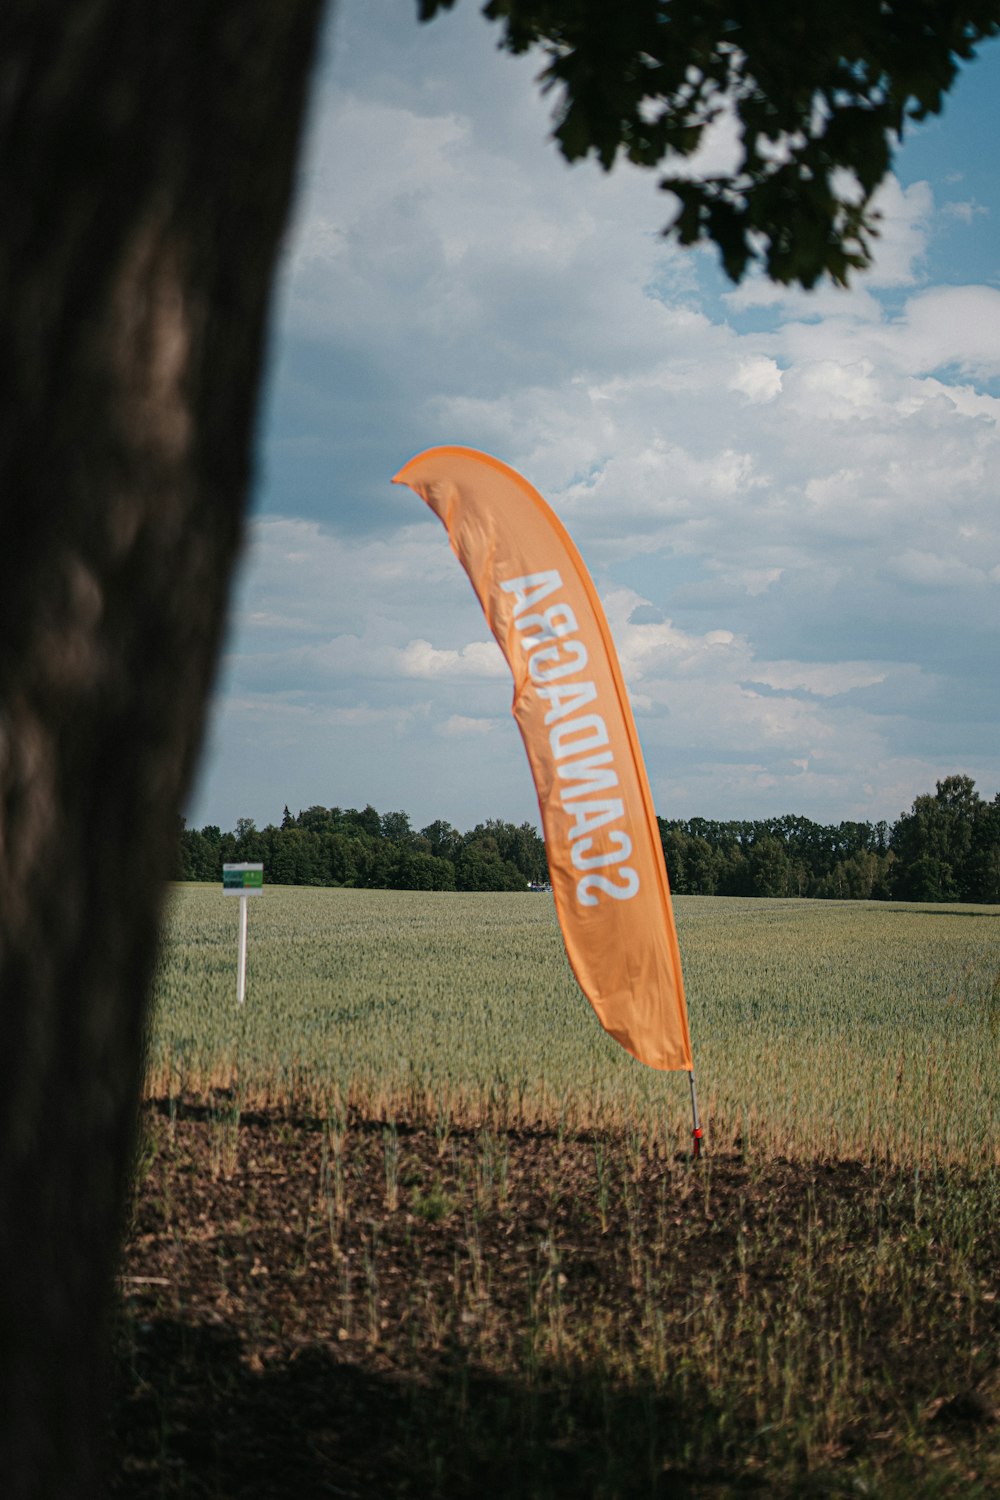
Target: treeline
(342, 846)
(947, 848)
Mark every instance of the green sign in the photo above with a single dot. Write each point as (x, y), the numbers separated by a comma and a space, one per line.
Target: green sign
(242, 880)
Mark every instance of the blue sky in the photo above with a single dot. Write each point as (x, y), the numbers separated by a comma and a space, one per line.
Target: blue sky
(788, 501)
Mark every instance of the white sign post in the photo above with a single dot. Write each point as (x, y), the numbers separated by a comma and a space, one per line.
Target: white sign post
(243, 881)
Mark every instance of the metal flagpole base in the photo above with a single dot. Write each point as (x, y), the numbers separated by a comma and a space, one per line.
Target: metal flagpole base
(696, 1130)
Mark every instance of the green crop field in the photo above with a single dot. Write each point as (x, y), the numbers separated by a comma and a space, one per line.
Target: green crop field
(820, 1029)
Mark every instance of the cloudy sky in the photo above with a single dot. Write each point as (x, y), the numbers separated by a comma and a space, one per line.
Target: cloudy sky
(788, 501)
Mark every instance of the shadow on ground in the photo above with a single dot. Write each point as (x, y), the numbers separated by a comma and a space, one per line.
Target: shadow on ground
(193, 1418)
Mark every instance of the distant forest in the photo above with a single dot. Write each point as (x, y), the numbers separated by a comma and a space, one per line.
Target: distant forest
(947, 848)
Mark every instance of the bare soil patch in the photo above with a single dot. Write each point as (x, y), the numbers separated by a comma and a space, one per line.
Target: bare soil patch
(382, 1309)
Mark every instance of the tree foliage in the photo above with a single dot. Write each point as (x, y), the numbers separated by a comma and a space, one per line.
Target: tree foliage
(819, 97)
(337, 846)
(947, 848)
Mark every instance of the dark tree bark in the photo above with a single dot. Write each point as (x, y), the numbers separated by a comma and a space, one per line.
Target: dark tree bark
(147, 149)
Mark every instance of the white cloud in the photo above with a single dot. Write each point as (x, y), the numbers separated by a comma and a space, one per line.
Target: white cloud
(904, 217)
(950, 325)
(933, 571)
(461, 724)
(966, 209)
(841, 392)
(419, 658)
(824, 679)
(758, 378)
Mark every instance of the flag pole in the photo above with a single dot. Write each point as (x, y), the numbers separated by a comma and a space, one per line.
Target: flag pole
(696, 1131)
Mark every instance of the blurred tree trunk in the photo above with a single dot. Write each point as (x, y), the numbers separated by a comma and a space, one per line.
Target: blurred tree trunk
(147, 150)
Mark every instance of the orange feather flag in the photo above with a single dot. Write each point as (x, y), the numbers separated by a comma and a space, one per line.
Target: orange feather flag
(601, 836)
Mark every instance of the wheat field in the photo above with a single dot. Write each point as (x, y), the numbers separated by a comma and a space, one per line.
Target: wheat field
(836, 1029)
